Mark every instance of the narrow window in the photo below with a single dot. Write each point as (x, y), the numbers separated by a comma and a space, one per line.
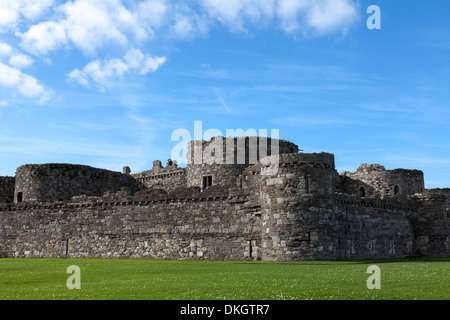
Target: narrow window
(362, 192)
(372, 246)
(207, 181)
(351, 248)
(19, 196)
(396, 190)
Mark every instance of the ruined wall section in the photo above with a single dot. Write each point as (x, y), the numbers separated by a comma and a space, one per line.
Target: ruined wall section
(56, 182)
(7, 189)
(376, 180)
(168, 178)
(211, 226)
(224, 159)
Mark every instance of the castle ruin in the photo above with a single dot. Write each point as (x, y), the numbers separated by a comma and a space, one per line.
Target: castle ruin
(244, 198)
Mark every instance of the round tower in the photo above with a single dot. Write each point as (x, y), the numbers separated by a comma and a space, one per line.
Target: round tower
(292, 199)
(60, 181)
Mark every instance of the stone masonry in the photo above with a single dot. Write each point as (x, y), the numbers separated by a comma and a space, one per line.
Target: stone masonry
(237, 199)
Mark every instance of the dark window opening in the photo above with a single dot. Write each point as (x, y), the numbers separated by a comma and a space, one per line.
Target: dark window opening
(207, 181)
(372, 246)
(362, 192)
(396, 190)
(19, 196)
(351, 248)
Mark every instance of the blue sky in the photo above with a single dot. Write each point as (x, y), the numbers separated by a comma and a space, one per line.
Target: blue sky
(106, 83)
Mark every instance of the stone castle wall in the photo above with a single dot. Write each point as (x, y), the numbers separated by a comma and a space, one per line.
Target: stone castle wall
(218, 227)
(361, 228)
(286, 207)
(295, 215)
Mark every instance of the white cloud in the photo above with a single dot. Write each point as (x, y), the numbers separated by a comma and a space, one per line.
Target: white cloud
(11, 11)
(90, 24)
(16, 59)
(293, 16)
(152, 14)
(12, 77)
(326, 16)
(23, 83)
(20, 61)
(84, 24)
(44, 26)
(236, 13)
(102, 73)
(5, 49)
(44, 37)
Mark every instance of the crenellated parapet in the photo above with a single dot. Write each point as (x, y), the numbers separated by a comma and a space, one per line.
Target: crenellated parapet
(166, 178)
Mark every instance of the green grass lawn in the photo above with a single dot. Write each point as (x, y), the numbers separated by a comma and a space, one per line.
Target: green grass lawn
(30, 279)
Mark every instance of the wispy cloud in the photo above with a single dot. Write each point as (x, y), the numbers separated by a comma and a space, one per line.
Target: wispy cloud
(103, 73)
(294, 17)
(23, 83)
(43, 27)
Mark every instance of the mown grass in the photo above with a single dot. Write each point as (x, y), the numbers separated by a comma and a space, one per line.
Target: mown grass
(33, 279)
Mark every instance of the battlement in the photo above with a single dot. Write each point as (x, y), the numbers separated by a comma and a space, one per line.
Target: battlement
(166, 178)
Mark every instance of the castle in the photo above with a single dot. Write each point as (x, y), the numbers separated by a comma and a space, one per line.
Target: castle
(249, 198)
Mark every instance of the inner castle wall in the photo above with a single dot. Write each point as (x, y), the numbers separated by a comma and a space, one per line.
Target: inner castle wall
(287, 207)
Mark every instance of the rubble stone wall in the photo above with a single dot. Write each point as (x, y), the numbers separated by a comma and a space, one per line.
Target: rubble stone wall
(215, 228)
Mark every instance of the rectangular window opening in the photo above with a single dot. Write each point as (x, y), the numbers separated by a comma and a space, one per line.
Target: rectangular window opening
(207, 181)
